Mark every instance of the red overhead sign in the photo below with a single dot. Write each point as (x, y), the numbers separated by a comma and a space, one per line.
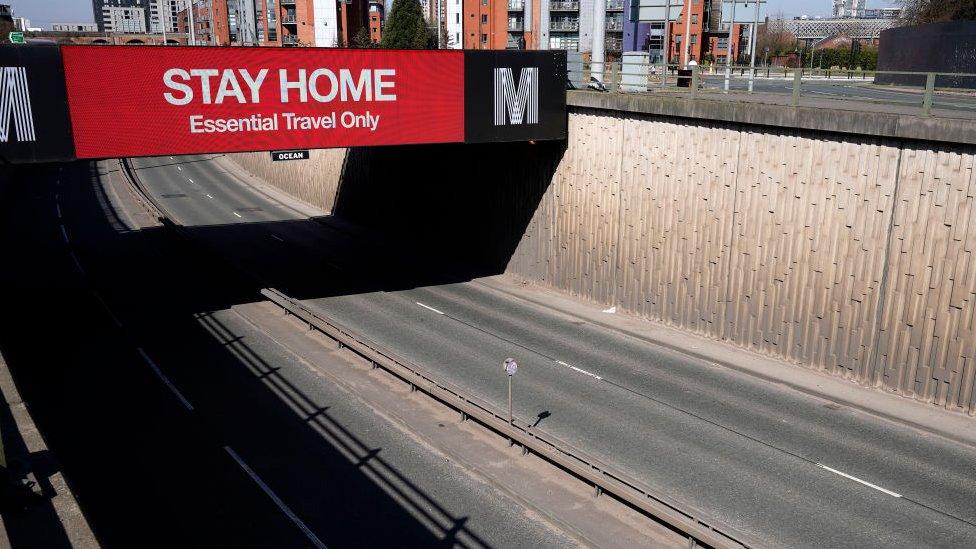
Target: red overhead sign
(144, 101)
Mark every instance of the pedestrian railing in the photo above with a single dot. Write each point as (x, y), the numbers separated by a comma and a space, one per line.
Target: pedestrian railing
(923, 93)
(563, 6)
(564, 26)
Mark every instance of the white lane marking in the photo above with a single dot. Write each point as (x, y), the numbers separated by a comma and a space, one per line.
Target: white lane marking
(115, 319)
(189, 179)
(77, 264)
(580, 370)
(165, 379)
(209, 196)
(429, 307)
(239, 215)
(274, 497)
(276, 237)
(855, 479)
(64, 234)
(58, 208)
(171, 158)
(180, 168)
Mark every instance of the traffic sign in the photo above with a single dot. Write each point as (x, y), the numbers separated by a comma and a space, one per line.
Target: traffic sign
(510, 366)
(16, 37)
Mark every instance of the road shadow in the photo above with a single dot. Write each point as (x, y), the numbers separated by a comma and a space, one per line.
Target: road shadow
(147, 471)
(451, 218)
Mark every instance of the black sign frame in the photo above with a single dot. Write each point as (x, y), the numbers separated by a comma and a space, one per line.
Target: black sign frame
(47, 114)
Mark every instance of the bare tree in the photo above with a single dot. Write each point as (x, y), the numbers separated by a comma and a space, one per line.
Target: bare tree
(774, 36)
(918, 12)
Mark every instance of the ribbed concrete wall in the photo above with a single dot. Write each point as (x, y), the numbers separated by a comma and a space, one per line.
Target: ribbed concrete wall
(854, 256)
(314, 181)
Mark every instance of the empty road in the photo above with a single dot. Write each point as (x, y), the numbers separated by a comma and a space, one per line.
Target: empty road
(787, 469)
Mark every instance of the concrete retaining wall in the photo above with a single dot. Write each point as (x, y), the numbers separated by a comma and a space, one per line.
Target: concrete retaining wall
(850, 255)
(845, 253)
(314, 181)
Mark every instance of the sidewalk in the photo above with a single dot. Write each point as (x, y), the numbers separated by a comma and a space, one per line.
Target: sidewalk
(53, 519)
(927, 418)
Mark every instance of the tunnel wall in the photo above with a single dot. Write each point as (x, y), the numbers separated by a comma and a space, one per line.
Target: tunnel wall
(313, 181)
(848, 254)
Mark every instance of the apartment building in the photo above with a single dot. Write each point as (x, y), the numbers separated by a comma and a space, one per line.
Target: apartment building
(318, 23)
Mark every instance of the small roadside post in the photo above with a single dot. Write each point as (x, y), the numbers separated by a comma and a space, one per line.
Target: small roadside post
(510, 368)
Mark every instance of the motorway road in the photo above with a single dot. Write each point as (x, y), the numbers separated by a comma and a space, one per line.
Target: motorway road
(842, 89)
(789, 469)
(178, 423)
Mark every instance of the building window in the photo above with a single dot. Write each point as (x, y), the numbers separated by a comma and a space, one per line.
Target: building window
(694, 39)
(694, 19)
(723, 43)
(484, 38)
(484, 19)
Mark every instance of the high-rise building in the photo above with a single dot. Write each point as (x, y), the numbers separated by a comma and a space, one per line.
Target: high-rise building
(131, 16)
(849, 8)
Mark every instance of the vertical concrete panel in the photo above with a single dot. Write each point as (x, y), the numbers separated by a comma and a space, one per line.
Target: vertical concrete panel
(675, 219)
(927, 338)
(809, 241)
(314, 181)
(584, 218)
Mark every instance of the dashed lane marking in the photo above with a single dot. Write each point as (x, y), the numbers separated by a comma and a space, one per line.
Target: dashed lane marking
(274, 497)
(278, 238)
(580, 370)
(239, 215)
(64, 234)
(165, 379)
(429, 308)
(855, 479)
(111, 314)
(77, 263)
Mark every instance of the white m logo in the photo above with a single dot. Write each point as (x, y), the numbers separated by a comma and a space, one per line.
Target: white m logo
(515, 103)
(15, 102)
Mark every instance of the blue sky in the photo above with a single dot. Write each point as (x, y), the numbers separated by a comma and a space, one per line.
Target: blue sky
(44, 12)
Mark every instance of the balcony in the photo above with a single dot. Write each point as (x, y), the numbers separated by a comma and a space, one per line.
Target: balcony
(289, 40)
(516, 6)
(515, 26)
(289, 20)
(564, 26)
(614, 25)
(615, 5)
(614, 44)
(563, 6)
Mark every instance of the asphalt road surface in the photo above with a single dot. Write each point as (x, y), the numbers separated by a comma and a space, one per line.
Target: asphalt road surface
(840, 89)
(181, 425)
(789, 469)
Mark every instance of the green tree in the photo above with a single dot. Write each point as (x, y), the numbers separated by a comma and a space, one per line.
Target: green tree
(406, 28)
(918, 12)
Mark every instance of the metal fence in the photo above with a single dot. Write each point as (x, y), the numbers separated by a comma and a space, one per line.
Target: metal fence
(828, 88)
